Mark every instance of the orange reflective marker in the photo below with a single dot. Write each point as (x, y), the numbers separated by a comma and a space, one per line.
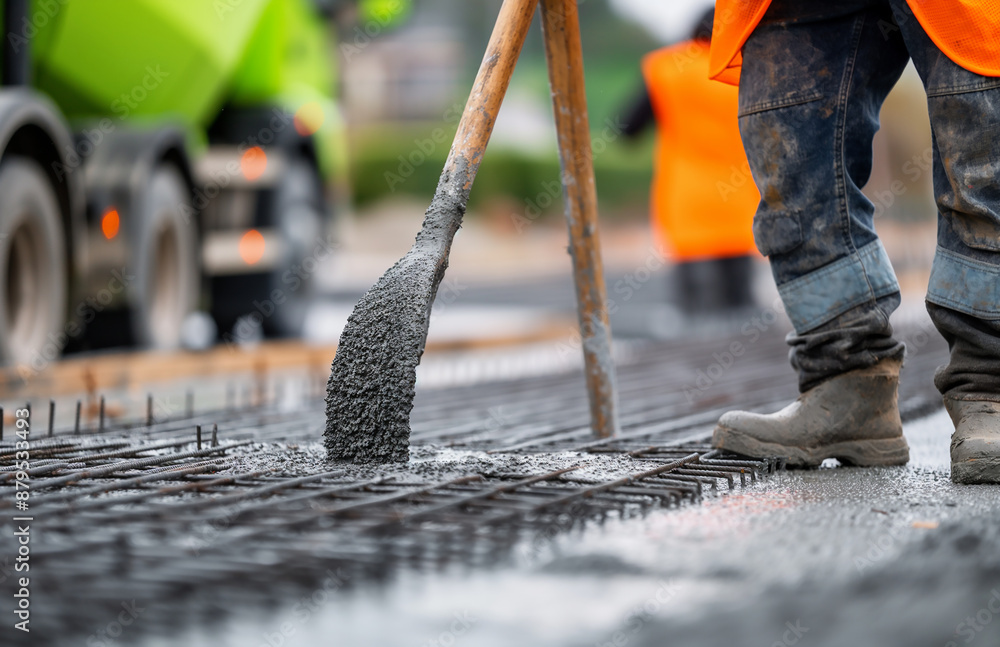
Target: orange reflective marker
(253, 163)
(110, 223)
(252, 247)
(309, 118)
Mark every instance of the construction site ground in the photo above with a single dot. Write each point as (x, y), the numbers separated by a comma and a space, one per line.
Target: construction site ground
(208, 515)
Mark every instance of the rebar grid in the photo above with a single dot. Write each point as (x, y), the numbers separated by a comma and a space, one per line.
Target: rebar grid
(139, 510)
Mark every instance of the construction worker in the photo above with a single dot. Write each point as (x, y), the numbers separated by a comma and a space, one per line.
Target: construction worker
(812, 77)
(703, 198)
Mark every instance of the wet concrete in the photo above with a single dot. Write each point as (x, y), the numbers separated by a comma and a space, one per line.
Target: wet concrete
(835, 556)
(431, 463)
(371, 387)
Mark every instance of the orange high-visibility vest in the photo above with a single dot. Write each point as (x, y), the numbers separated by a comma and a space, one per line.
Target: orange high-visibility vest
(967, 31)
(703, 196)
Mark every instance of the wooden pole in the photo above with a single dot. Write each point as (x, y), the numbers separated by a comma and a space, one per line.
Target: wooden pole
(563, 52)
(488, 90)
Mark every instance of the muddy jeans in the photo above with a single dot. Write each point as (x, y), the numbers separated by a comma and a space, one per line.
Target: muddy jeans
(814, 78)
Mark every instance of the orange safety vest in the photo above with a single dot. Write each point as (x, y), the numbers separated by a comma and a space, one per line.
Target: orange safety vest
(967, 31)
(703, 196)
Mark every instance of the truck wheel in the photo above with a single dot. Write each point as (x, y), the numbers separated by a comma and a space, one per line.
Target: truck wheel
(165, 259)
(33, 262)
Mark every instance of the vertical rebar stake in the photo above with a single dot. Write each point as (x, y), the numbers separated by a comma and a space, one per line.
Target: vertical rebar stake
(100, 423)
(76, 425)
(149, 409)
(52, 417)
(215, 434)
(198, 427)
(1, 423)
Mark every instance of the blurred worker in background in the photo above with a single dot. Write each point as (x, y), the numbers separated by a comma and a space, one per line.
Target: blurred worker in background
(703, 197)
(814, 76)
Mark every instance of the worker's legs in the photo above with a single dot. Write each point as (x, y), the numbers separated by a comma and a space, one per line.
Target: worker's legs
(963, 296)
(717, 286)
(810, 94)
(814, 78)
(697, 287)
(737, 281)
(964, 292)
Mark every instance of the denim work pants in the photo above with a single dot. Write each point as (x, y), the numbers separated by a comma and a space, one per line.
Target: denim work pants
(814, 78)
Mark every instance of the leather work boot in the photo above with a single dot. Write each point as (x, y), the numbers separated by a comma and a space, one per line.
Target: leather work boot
(975, 445)
(853, 417)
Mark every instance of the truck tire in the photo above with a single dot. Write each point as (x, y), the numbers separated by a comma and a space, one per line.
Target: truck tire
(33, 262)
(165, 260)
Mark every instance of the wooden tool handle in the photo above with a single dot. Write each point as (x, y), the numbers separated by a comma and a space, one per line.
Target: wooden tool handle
(564, 54)
(488, 91)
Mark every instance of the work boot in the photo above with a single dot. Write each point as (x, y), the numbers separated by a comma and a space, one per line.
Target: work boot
(975, 445)
(852, 417)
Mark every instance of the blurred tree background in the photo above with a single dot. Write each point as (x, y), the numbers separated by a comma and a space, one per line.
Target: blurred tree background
(404, 86)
